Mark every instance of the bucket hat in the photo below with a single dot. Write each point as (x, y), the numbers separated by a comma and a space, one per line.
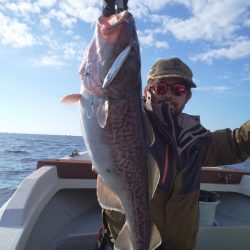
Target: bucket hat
(171, 68)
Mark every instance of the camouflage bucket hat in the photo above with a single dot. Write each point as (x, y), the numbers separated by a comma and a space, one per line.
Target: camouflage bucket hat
(171, 68)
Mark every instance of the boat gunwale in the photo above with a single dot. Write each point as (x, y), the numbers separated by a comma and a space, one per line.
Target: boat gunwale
(71, 168)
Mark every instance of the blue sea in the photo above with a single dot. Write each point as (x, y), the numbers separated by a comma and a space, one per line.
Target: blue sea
(19, 154)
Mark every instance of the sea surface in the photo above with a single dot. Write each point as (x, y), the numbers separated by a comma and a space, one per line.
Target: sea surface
(19, 154)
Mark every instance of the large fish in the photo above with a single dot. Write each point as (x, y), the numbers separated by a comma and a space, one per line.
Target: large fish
(116, 131)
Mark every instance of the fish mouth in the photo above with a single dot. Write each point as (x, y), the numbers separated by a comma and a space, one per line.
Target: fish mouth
(111, 27)
(98, 71)
(109, 23)
(109, 50)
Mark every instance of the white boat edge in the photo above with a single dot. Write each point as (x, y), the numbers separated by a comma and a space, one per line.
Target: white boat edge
(20, 212)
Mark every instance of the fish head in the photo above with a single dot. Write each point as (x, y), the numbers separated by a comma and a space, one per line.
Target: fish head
(113, 58)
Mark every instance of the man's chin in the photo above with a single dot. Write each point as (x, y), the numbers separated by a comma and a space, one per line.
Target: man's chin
(173, 111)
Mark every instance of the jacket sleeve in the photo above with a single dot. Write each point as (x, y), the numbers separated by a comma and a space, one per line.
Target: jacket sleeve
(225, 147)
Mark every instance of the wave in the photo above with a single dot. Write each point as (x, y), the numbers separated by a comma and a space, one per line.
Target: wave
(28, 160)
(8, 151)
(5, 194)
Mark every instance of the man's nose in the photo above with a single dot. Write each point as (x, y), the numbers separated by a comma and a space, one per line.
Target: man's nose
(168, 95)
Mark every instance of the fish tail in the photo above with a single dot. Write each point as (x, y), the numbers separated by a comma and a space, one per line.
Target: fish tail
(124, 239)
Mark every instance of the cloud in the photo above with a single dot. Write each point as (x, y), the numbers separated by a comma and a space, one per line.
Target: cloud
(48, 60)
(247, 78)
(15, 33)
(66, 50)
(246, 73)
(216, 23)
(59, 55)
(62, 18)
(148, 5)
(147, 38)
(23, 8)
(161, 44)
(247, 23)
(214, 89)
(45, 22)
(212, 21)
(46, 3)
(239, 48)
(225, 91)
(87, 11)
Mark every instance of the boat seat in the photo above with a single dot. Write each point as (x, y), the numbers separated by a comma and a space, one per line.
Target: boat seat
(82, 234)
(78, 242)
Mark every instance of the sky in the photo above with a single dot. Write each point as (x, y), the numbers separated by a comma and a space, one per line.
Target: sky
(42, 43)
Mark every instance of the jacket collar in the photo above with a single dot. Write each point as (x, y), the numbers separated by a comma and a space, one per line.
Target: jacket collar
(190, 131)
(181, 132)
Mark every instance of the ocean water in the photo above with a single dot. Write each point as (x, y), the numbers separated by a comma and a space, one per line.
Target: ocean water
(19, 154)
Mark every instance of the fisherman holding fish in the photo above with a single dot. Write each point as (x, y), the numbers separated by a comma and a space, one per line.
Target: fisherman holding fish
(181, 147)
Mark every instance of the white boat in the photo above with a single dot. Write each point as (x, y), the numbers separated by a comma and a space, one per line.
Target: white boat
(56, 208)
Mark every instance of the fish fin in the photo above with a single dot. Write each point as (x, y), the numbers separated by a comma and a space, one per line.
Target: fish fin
(102, 112)
(153, 175)
(123, 241)
(107, 198)
(149, 131)
(71, 99)
(155, 237)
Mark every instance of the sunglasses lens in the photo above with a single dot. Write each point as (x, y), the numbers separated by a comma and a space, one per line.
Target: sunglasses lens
(160, 89)
(179, 89)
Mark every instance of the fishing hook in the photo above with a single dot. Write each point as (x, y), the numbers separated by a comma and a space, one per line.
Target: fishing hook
(90, 110)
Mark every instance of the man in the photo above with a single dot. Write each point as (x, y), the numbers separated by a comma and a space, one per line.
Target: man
(182, 146)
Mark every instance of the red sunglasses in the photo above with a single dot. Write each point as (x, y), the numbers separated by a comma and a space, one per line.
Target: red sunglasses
(177, 89)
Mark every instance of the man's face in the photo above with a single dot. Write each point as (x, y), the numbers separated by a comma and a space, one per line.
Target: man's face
(171, 90)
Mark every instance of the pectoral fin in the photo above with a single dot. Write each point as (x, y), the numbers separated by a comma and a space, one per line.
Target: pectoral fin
(155, 237)
(102, 112)
(71, 99)
(153, 179)
(107, 198)
(123, 241)
(149, 131)
(153, 175)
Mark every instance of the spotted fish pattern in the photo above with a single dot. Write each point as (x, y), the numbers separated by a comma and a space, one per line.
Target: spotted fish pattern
(115, 131)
